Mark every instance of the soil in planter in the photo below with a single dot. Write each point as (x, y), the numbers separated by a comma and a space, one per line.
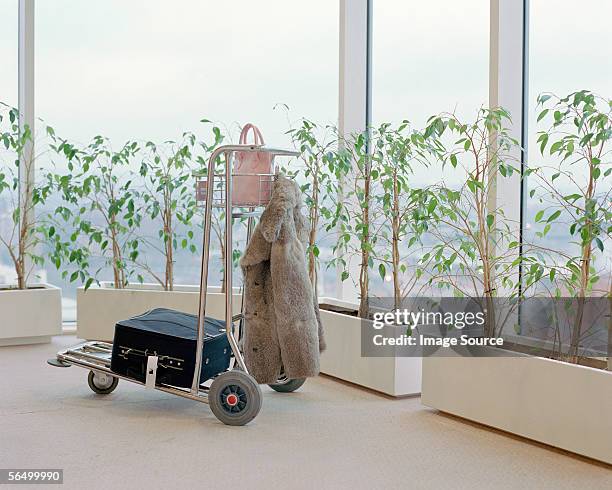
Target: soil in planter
(338, 309)
(15, 288)
(343, 310)
(593, 362)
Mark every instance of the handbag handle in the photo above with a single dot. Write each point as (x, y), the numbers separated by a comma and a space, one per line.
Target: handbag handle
(258, 138)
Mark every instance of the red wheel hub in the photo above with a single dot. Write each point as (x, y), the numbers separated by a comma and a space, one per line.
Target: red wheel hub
(231, 400)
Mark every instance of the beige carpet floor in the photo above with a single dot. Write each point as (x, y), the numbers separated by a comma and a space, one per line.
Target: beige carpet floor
(329, 435)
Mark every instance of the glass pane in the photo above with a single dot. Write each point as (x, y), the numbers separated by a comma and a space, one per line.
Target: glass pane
(152, 69)
(428, 58)
(9, 23)
(8, 95)
(566, 56)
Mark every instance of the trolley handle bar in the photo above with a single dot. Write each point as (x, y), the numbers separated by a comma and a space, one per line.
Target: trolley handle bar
(228, 151)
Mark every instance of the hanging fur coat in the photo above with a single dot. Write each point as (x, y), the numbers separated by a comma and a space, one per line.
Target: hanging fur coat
(283, 326)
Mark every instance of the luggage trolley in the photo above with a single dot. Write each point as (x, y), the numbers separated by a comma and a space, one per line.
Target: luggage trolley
(233, 394)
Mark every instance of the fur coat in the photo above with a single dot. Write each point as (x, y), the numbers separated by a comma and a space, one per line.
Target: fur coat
(283, 326)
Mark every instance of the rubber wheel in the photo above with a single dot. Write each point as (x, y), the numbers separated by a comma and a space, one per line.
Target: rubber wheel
(285, 385)
(101, 383)
(235, 398)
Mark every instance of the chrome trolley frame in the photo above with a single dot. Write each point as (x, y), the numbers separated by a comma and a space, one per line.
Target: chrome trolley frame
(215, 189)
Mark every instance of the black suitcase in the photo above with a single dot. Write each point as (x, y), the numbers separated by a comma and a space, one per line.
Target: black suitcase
(172, 336)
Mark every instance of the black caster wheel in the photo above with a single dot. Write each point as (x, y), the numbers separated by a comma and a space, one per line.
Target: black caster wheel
(102, 383)
(286, 385)
(235, 398)
(57, 363)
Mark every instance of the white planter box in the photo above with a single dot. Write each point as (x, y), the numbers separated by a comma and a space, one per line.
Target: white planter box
(100, 308)
(560, 404)
(30, 316)
(342, 359)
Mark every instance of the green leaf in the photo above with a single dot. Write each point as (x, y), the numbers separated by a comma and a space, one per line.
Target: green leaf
(542, 115)
(554, 216)
(539, 215)
(556, 146)
(382, 271)
(544, 141)
(543, 98)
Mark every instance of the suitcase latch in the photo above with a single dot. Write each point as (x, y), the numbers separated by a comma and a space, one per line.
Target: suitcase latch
(151, 372)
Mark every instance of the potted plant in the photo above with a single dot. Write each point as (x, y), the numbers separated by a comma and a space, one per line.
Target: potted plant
(375, 228)
(404, 210)
(521, 393)
(31, 309)
(319, 174)
(169, 205)
(98, 215)
(475, 251)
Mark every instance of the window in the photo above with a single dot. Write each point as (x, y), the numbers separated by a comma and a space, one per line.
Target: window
(8, 95)
(149, 70)
(428, 58)
(567, 54)
(8, 52)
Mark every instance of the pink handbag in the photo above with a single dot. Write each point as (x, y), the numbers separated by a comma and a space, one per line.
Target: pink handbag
(249, 186)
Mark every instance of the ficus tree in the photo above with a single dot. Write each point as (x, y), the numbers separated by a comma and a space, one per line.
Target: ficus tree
(403, 205)
(21, 233)
(357, 212)
(475, 250)
(99, 218)
(574, 185)
(319, 175)
(168, 197)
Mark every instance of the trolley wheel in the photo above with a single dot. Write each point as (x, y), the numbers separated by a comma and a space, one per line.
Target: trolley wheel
(102, 383)
(286, 385)
(235, 398)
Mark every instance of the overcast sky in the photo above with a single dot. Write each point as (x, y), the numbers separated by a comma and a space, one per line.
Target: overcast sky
(153, 68)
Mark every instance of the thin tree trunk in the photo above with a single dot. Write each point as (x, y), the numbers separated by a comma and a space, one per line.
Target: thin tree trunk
(364, 278)
(584, 279)
(223, 263)
(21, 262)
(610, 330)
(312, 238)
(487, 269)
(312, 235)
(118, 276)
(169, 286)
(397, 293)
(24, 231)
(585, 276)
